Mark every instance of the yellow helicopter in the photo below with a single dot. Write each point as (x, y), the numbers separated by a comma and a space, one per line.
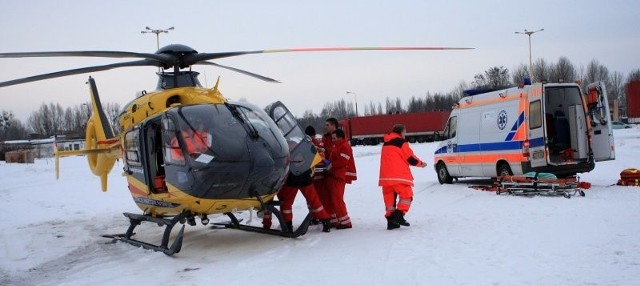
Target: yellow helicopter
(187, 151)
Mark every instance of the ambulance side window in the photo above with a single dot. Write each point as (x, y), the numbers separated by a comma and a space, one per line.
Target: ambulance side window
(452, 127)
(535, 115)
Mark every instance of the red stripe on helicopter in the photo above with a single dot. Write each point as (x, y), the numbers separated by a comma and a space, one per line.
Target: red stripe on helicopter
(109, 141)
(136, 191)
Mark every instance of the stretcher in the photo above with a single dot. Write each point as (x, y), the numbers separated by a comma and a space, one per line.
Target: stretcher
(540, 184)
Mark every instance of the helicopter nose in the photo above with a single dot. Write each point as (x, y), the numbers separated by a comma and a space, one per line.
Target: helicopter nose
(263, 159)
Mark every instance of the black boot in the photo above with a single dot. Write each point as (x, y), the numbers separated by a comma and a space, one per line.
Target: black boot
(326, 225)
(290, 226)
(398, 217)
(390, 224)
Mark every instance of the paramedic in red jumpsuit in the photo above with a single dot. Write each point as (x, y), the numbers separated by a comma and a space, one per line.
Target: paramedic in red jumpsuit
(319, 180)
(395, 176)
(341, 173)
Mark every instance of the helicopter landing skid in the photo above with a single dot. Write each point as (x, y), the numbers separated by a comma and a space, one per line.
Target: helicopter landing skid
(286, 232)
(136, 219)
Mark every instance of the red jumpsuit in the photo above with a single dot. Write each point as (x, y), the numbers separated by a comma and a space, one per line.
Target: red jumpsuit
(395, 175)
(287, 196)
(341, 158)
(320, 181)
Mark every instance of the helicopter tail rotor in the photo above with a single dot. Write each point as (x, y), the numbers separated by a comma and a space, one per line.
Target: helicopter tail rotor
(99, 136)
(102, 148)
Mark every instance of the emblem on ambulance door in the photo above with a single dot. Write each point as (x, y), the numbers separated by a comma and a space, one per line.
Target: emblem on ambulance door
(502, 119)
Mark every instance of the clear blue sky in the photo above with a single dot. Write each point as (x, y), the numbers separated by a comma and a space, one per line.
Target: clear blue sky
(607, 31)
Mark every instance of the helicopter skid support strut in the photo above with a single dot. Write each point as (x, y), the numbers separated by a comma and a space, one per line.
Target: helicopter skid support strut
(169, 223)
(285, 232)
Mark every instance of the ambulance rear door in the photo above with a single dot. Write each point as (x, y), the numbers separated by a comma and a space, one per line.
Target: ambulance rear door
(538, 128)
(602, 143)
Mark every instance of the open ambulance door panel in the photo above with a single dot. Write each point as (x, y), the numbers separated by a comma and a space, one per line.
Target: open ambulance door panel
(303, 153)
(539, 129)
(602, 143)
(451, 159)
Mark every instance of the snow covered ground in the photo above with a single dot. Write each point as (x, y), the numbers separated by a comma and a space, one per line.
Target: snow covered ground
(50, 234)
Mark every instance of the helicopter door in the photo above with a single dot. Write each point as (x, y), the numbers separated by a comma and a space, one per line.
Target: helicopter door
(601, 129)
(303, 153)
(155, 159)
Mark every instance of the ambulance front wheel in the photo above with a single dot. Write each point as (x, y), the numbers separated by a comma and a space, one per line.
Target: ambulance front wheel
(443, 174)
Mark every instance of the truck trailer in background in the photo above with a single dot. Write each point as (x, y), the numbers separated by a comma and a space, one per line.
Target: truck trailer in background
(370, 130)
(633, 101)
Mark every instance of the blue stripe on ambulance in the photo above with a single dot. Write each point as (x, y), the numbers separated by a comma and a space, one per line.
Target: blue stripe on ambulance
(515, 127)
(508, 144)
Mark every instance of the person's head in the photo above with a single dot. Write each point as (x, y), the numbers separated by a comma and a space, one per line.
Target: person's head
(331, 125)
(338, 134)
(400, 129)
(310, 131)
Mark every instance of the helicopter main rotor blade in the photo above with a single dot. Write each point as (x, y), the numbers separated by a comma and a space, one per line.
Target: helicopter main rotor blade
(268, 79)
(99, 54)
(193, 59)
(79, 71)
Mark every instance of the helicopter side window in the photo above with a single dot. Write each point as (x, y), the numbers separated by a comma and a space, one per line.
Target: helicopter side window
(132, 152)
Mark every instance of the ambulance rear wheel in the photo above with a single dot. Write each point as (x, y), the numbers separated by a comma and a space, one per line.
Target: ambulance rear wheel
(504, 169)
(443, 174)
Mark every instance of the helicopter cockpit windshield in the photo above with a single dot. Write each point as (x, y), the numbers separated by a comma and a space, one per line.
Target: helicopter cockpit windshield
(215, 131)
(205, 144)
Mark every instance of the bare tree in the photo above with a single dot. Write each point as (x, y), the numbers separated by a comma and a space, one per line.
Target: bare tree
(633, 75)
(310, 119)
(541, 70)
(615, 87)
(520, 73)
(398, 107)
(595, 72)
(370, 109)
(458, 91)
(11, 128)
(48, 120)
(563, 71)
(416, 105)
(493, 78)
(339, 109)
(389, 106)
(112, 110)
(38, 121)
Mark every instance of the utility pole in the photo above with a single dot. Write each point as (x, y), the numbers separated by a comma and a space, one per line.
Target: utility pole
(529, 33)
(355, 97)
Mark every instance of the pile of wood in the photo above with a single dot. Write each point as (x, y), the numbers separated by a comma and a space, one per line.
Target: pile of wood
(20, 156)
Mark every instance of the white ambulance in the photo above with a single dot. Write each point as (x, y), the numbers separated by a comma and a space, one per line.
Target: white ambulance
(552, 128)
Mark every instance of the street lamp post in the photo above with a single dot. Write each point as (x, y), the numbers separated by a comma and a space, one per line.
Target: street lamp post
(529, 33)
(355, 97)
(157, 32)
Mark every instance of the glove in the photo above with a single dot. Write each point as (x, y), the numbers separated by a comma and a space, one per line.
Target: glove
(422, 164)
(327, 164)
